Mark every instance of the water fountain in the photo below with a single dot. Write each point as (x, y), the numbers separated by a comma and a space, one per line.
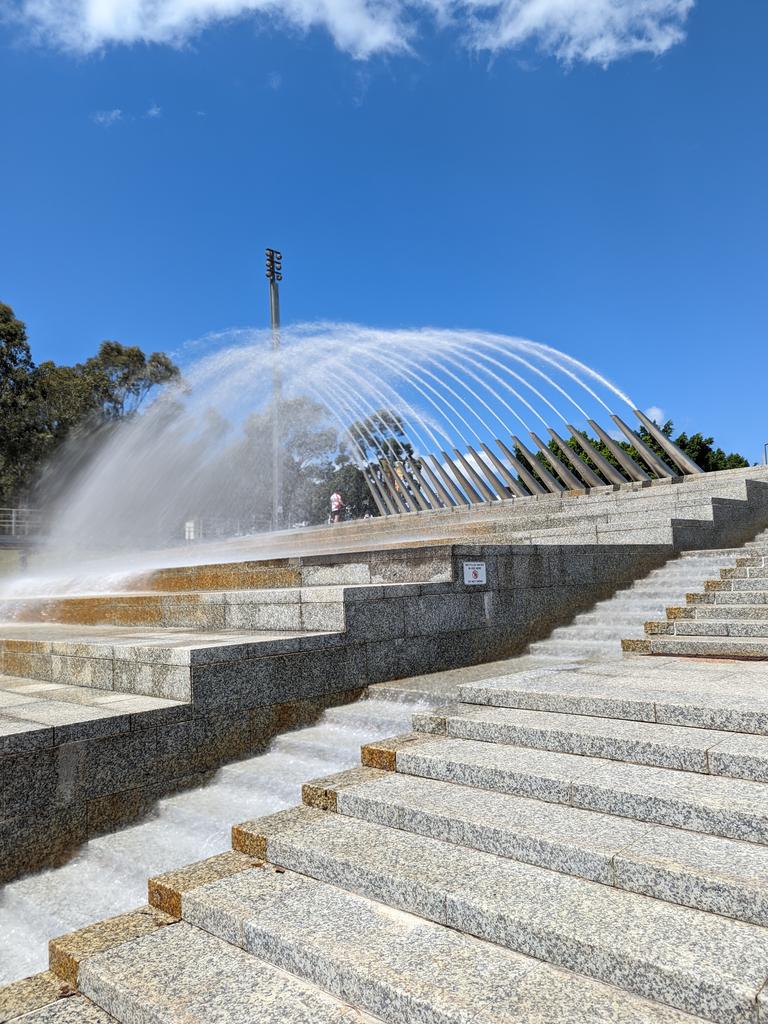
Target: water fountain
(459, 406)
(433, 419)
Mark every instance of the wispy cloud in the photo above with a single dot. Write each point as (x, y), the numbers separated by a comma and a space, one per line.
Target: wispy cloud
(154, 111)
(599, 31)
(656, 414)
(274, 81)
(106, 118)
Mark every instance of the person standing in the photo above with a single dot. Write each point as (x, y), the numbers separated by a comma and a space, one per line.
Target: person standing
(337, 507)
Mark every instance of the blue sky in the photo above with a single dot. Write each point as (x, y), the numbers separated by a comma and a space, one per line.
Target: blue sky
(544, 181)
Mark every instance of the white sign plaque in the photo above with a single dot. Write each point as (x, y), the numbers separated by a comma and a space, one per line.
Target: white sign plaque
(474, 574)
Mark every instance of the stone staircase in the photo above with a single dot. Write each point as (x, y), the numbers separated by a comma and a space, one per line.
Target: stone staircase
(598, 633)
(582, 844)
(576, 838)
(724, 618)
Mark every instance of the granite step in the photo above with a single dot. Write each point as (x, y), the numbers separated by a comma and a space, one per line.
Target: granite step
(715, 805)
(573, 647)
(747, 647)
(728, 597)
(183, 975)
(649, 592)
(730, 611)
(401, 967)
(672, 701)
(616, 630)
(722, 626)
(71, 1009)
(757, 583)
(697, 962)
(682, 748)
(721, 876)
(609, 612)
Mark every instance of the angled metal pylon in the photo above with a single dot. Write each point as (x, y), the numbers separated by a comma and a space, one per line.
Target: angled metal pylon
(633, 470)
(650, 458)
(459, 496)
(571, 482)
(552, 485)
(611, 474)
(444, 494)
(590, 478)
(525, 474)
(512, 484)
(497, 488)
(681, 460)
(474, 497)
(432, 499)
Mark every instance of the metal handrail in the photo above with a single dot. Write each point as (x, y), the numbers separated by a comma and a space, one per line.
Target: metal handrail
(20, 522)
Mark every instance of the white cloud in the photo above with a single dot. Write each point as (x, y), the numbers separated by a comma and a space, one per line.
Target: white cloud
(106, 118)
(154, 111)
(656, 414)
(274, 81)
(599, 31)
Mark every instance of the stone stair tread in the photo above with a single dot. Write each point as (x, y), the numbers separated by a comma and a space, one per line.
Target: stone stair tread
(697, 962)
(69, 1010)
(738, 706)
(163, 636)
(721, 627)
(669, 746)
(716, 805)
(707, 872)
(182, 975)
(711, 646)
(730, 611)
(743, 597)
(399, 966)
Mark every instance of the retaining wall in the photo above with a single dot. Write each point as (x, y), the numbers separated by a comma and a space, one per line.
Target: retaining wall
(62, 783)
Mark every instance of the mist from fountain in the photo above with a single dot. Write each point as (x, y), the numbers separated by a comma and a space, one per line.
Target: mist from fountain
(108, 875)
(200, 448)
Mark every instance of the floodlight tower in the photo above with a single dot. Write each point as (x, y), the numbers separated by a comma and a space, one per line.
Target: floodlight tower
(274, 276)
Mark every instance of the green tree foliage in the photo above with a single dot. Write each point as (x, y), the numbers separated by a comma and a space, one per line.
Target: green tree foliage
(42, 407)
(16, 403)
(696, 446)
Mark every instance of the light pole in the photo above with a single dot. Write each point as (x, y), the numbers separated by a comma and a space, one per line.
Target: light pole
(274, 275)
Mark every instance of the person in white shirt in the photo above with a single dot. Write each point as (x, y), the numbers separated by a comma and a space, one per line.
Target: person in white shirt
(337, 507)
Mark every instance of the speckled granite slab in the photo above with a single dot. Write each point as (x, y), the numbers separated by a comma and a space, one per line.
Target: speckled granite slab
(181, 975)
(701, 750)
(74, 1010)
(698, 962)
(398, 966)
(734, 808)
(707, 872)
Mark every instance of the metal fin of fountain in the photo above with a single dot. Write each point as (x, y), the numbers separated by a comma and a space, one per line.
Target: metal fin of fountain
(433, 418)
(448, 455)
(399, 486)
